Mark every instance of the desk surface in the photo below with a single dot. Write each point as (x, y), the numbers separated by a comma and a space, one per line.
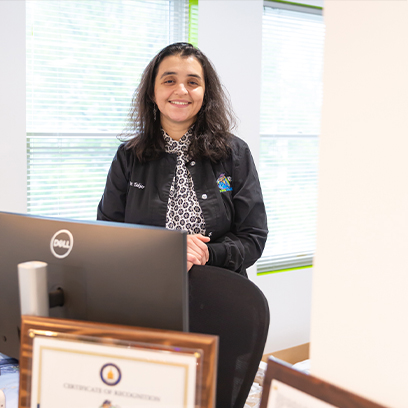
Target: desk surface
(9, 382)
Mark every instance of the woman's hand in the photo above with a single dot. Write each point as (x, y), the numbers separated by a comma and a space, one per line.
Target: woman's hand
(197, 250)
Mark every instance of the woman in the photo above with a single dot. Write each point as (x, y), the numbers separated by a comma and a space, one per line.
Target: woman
(181, 168)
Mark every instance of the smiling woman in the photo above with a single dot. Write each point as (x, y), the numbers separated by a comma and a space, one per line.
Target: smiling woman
(179, 93)
(196, 176)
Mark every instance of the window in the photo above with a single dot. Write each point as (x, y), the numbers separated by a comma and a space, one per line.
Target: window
(84, 60)
(290, 124)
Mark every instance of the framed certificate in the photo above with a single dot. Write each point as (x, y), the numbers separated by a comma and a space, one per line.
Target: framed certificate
(69, 363)
(286, 387)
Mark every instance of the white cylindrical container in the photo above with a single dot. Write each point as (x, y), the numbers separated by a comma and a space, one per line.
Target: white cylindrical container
(32, 278)
(2, 399)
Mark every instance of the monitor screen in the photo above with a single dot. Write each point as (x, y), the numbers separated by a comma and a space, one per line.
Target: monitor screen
(109, 272)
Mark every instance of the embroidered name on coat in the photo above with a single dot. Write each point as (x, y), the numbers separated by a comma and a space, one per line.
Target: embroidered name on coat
(224, 183)
(136, 184)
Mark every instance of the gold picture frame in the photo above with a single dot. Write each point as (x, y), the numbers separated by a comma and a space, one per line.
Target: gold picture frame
(200, 350)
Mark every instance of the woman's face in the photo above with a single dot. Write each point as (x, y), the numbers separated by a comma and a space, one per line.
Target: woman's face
(179, 91)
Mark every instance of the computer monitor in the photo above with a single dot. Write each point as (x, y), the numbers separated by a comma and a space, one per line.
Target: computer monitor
(109, 272)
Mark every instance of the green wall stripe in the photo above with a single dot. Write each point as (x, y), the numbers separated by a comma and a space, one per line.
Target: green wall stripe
(284, 270)
(297, 4)
(193, 22)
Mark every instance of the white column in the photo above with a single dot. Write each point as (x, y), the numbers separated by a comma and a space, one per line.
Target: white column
(359, 332)
(230, 34)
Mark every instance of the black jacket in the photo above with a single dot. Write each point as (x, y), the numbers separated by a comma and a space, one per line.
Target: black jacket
(235, 220)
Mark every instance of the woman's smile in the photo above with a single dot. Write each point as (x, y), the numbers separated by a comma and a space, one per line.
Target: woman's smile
(179, 103)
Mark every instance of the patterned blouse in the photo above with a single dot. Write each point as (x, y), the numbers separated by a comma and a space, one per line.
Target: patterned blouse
(183, 209)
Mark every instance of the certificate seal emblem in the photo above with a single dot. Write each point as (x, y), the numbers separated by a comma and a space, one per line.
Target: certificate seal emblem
(110, 374)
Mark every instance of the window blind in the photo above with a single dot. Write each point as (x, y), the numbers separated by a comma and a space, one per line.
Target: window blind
(84, 61)
(292, 58)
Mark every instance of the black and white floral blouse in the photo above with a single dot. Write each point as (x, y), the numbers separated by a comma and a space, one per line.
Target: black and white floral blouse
(183, 209)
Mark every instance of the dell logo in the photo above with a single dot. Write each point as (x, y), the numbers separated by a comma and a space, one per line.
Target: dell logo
(62, 243)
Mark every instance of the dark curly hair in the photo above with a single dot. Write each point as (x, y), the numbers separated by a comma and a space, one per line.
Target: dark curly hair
(215, 120)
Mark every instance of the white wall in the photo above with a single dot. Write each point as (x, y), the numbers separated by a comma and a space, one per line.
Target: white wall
(359, 331)
(230, 34)
(13, 167)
